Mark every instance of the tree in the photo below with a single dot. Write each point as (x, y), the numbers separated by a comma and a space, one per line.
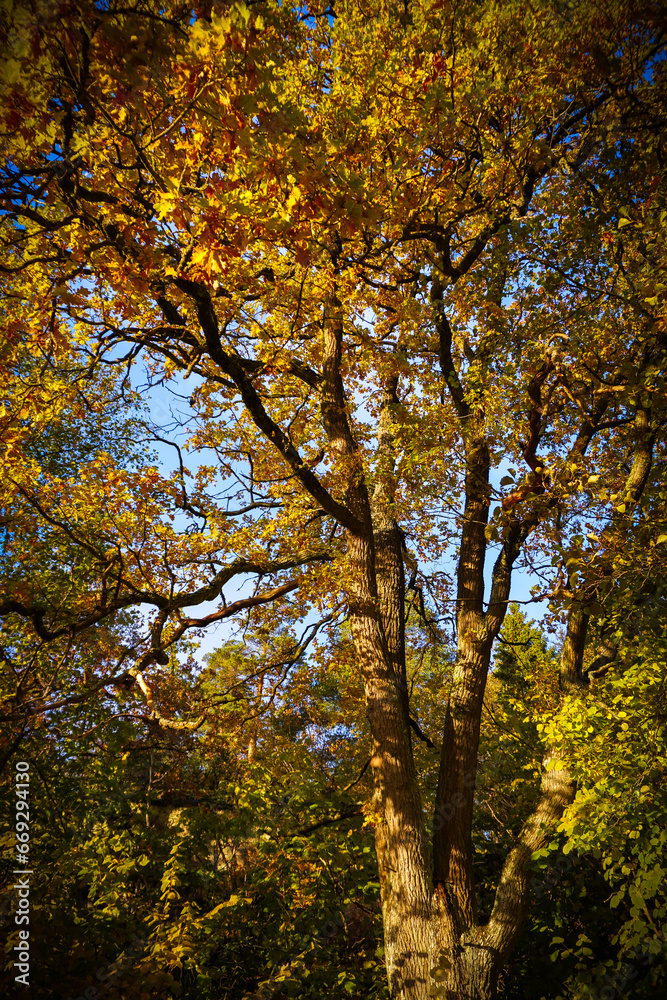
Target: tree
(164, 865)
(380, 251)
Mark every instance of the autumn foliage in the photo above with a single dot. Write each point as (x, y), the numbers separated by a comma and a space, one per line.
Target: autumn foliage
(330, 324)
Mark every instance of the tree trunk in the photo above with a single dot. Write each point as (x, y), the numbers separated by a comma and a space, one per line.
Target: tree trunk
(434, 944)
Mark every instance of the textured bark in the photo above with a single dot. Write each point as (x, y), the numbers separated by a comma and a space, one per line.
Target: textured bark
(389, 569)
(452, 843)
(405, 882)
(512, 895)
(377, 624)
(572, 656)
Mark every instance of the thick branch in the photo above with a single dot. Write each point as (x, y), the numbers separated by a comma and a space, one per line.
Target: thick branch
(511, 901)
(234, 367)
(333, 405)
(447, 366)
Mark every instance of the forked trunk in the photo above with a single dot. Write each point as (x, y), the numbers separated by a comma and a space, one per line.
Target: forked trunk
(434, 945)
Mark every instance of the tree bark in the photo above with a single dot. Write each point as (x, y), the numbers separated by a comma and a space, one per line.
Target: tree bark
(376, 616)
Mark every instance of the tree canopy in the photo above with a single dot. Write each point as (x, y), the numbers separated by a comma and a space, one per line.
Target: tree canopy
(325, 322)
